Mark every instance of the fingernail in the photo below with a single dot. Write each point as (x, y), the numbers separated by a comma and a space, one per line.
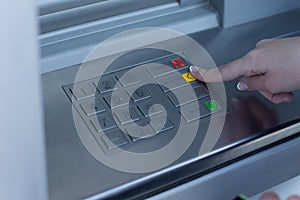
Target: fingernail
(242, 86)
(193, 69)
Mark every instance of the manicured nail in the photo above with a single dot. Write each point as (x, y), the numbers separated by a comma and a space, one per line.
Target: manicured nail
(193, 69)
(242, 86)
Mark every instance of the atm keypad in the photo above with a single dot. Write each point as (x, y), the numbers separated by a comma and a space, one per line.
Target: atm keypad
(188, 77)
(171, 81)
(139, 94)
(83, 90)
(116, 99)
(140, 132)
(123, 114)
(92, 106)
(103, 123)
(157, 70)
(114, 139)
(178, 63)
(184, 96)
(127, 79)
(126, 115)
(159, 125)
(149, 109)
(106, 84)
(190, 114)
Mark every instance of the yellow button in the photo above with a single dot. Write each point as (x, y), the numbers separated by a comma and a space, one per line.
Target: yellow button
(188, 77)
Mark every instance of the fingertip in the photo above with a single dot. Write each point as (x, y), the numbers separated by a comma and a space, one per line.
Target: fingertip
(195, 71)
(192, 69)
(242, 86)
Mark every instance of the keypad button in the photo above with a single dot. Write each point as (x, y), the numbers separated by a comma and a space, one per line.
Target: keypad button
(178, 63)
(92, 106)
(140, 132)
(140, 93)
(105, 84)
(184, 95)
(212, 105)
(170, 82)
(127, 79)
(103, 123)
(119, 98)
(114, 139)
(125, 116)
(190, 114)
(159, 70)
(149, 109)
(83, 90)
(159, 125)
(188, 77)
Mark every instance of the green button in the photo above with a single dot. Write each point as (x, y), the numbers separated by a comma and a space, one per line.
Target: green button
(212, 105)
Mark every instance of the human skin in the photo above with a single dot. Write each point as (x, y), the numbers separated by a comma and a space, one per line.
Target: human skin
(273, 196)
(272, 68)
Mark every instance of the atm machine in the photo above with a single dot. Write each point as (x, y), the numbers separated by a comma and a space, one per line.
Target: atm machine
(120, 118)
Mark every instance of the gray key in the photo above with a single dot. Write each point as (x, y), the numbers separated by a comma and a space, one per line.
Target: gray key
(103, 123)
(105, 84)
(114, 139)
(171, 81)
(83, 90)
(120, 98)
(157, 70)
(92, 106)
(140, 93)
(148, 109)
(124, 116)
(184, 95)
(190, 114)
(137, 132)
(159, 125)
(128, 78)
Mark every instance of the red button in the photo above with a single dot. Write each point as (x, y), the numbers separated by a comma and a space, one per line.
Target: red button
(178, 63)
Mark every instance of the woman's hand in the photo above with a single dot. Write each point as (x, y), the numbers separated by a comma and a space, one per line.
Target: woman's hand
(273, 196)
(272, 68)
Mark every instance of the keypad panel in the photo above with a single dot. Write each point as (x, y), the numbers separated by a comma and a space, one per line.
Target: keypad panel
(138, 94)
(105, 84)
(126, 115)
(127, 79)
(159, 125)
(149, 109)
(102, 123)
(92, 106)
(118, 120)
(82, 90)
(116, 99)
(139, 132)
(114, 139)
(171, 81)
(190, 114)
(183, 96)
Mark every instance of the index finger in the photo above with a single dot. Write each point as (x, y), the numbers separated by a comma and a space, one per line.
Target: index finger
(226, 72)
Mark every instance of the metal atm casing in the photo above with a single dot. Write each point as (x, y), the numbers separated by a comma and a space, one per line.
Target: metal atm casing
(228, 30)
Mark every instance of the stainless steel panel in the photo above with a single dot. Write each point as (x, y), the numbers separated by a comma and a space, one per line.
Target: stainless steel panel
(74, 173)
